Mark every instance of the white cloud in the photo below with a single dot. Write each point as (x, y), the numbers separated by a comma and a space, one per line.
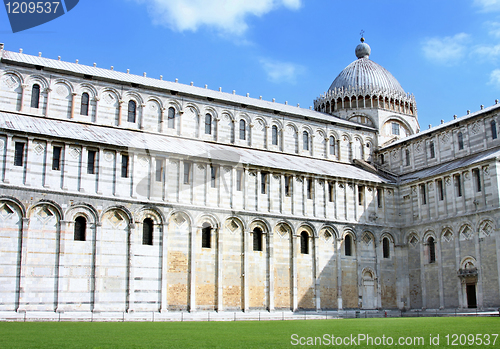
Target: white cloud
(495, 77)
(447, 50)
(488, 5)
(494, 28)
(490, 53)
(278, 72)
(226, 16)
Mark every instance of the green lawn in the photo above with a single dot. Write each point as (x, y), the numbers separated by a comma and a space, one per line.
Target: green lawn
(264, 334)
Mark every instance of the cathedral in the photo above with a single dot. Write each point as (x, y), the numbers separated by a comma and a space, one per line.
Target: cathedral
(125, 193)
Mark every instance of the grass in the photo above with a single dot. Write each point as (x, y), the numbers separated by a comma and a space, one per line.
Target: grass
(244, 334)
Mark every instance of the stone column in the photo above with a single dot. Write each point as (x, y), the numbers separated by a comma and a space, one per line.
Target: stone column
(28, 162)
(47, 93)
(73, 100)
(338, 253)
(246, 252)
(477, 250)
(23, 95)
(60, 251)
(164, 268)
(93, 273)
(220, 250)
(422, 275)
(192, 267)
(120, 109)
(132, 241)
(140, 115)
(9, 158)
(22, 264)
(99, 173)
(65, 166)
(96, 99)
(270, 237)
(317, 289)
(295, 300)
(47, 166)
(440, 271)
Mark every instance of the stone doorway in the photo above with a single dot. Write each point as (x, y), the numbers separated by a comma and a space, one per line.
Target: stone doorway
(471, 296)
(369, 294)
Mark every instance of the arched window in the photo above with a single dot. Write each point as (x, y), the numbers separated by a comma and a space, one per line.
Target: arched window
(84, 107)
(275, 135)
(80, 228)
(386, 248)
(171, 117)
(132, 106)
(206, 235)
(208, 124)
(257, 239)
(243, 126)
(304, 243)
(348, 245)
(305, 140)
(493, 129)
(147, 231)
(332, 145)
(460, 137)
(35, 96)
(432, 250)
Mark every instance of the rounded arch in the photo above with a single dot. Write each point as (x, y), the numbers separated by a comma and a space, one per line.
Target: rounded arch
(132, 95)
(349, 231)
(33, 79)
(464, 226)
(429, 233)
(321, 133)
(174, 213)
(50, 203)
(228, 113)
(173, 103)
(260, 223)
(468, 262)
(412, 238)
(210, 218)
(16, 203)
(334, 134)
(292, 126)
(330, 229)
(111, 90)
(260, 118)
(65, 82)
(307, 227)
(81, 208)
(368, 274)
(194, 107)
(155, 99)
(388, 235)
(346, 137)
(276, 122)
(486, 221)
(15, 73)
(308, 129)
(85, 87)
(399, 119)
(212, 111)
(151, 212)
(246, 117)
(123, 209)
(237, 220)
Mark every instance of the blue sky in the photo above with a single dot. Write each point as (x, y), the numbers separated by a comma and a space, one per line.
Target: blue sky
(444, 52)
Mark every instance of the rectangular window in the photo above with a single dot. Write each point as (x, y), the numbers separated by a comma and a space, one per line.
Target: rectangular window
(382, 159)
(432, 150)
(288, 185)
(330, 192)
(56, 158)
(263, 182)
(239, 180)
(423, 194)
(361, 195)
(310, 188)
(380, 197)
(440, 190)
(159, 170)
(187, 172)
(124, 166)
(477, 179)
(19, 154)
(395, 128)
(407, 155)
(458, 184)
(91, 162)
(213, 176)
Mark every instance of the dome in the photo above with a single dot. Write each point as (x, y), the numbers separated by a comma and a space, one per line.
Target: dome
(366, 76)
